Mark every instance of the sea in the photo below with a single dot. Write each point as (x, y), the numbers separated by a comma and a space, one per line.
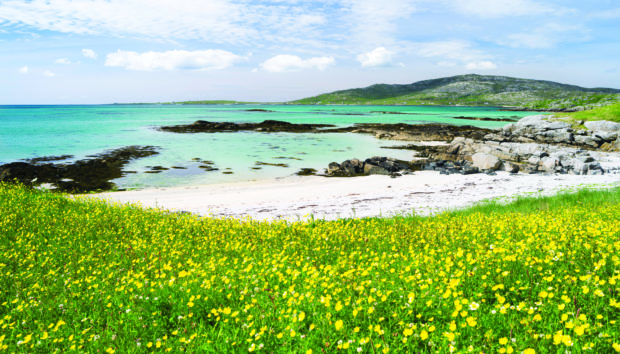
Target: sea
(85, 130)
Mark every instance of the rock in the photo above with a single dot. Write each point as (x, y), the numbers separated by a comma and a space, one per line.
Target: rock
(370, 169)
(485, 161)
(549, 164)
(606, 136)
(533, 160)
(587, 140)
(353, 166)
(268, 126)
(333, 167)
(603, 126)
(306, 172)
(511, 167)
(372, 166)
(91, 174)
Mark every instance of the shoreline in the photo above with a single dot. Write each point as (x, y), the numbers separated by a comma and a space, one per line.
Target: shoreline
(311, 197)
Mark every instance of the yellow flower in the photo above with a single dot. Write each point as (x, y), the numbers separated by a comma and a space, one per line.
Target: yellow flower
(309, 351)
(423, 335)
(109, 350)
(453, 326)
(503, 341)
(407, 332)
(471, 321)
(579, 330)
(449, 335)
(529, 351)
(45, 335)
(338, 325)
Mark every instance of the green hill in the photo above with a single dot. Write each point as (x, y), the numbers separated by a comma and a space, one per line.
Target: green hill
(475, 90)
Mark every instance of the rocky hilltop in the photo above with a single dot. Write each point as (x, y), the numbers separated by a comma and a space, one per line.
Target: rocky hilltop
(476, 90)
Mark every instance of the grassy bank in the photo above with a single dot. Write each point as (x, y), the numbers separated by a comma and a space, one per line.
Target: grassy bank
(611, 113)
(537, 276)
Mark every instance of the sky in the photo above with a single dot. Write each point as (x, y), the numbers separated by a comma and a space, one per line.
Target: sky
(123, 51)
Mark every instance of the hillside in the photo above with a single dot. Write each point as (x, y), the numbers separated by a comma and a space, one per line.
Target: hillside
(475, 90)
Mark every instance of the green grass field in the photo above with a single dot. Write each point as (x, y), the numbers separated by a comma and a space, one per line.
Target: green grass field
(611, 113)
(537, 276)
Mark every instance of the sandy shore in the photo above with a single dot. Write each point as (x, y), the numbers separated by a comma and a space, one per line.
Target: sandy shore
(295, 198)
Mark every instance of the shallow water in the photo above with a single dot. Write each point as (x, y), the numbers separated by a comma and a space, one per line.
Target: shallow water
(35, 131)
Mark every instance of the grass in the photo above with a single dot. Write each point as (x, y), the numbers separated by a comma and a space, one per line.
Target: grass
(534, 276)
(611, 113)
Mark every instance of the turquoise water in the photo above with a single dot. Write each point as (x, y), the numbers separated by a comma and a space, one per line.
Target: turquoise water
(34, 131)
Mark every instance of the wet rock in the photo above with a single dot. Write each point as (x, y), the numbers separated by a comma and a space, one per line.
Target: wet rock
(306, 172)
(92, 174)
(268, 126)
(260, 163)
(371, 166)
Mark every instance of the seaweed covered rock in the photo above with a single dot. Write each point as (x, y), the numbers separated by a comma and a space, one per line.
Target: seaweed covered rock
(92, 174)
(267, 126)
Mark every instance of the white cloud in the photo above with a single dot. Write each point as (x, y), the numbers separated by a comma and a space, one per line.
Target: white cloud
(454, 53)
(49, 73)
(219, 21)
(283, 63)
(89, 53)
(63, 61)
(375, 21)
(446, 49)
(547, 36)
(24, 69)
(503, 8)
(377, 57)
(606, 15)
(210, 59)
(481, 65)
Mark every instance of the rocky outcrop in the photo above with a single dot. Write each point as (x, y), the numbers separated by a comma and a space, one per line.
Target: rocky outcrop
(401, 131)
(92, 174)
(372, 166)
(515, 157)
(603, 135)
(267, 126)
(414, 132)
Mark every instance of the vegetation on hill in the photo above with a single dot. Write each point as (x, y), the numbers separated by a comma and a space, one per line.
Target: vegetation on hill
(475, 90)
(208, 102)
(88, 276)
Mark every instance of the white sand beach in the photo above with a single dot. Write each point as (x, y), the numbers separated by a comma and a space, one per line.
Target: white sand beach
(299, 198)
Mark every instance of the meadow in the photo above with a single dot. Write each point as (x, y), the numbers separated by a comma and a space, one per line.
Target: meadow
(537, 276)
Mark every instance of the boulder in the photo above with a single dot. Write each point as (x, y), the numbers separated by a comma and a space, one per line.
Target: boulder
(370, 169)
(485, 161)
(549, 164)
(602, 126)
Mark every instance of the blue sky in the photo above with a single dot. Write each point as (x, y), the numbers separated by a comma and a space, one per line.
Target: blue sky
(104, 51)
